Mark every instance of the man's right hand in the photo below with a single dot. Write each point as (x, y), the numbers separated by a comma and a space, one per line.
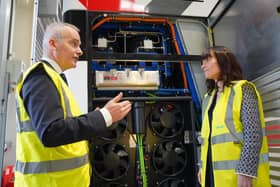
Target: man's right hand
(118, 110)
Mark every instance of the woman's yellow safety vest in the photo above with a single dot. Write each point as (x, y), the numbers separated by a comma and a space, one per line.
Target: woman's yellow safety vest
(226, 138)
(40, 166)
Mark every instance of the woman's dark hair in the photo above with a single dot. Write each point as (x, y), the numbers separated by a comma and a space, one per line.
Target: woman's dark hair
(230, 68)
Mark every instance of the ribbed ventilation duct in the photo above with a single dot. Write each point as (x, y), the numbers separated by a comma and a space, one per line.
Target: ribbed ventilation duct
(49, 11)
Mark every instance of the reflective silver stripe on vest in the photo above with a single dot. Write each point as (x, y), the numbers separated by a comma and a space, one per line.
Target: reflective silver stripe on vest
(205, 103)
(26, 126)
(229, 119)
(222, 138)
(225, 165)
(264, 158)
(23, 126)
(50, 166)
(225, 138)
(232, 164)
(66, 102)
(264, 131)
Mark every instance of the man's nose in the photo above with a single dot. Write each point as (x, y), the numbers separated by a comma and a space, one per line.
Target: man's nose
(80, 52)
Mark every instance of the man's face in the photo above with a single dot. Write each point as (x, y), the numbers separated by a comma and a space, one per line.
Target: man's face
(67, 49)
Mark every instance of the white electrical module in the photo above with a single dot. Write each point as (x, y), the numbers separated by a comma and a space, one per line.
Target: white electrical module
(127, 80)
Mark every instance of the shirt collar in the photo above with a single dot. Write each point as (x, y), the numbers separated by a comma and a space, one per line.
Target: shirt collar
(53, 64)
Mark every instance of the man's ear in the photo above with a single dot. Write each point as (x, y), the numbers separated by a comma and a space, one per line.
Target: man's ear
(52, 43)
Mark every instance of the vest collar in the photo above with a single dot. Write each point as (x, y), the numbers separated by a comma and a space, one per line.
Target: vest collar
(53, 64)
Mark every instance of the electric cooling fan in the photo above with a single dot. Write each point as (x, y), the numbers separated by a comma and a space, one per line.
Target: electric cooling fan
(110, 161)
(169, 158)
(171, 183)
(115, 130)
(167, 120)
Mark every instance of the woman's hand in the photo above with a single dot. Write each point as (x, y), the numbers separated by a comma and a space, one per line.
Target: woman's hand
(245, 181)
(199, 176)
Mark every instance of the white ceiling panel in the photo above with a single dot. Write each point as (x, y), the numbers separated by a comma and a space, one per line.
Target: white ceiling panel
(200, 9)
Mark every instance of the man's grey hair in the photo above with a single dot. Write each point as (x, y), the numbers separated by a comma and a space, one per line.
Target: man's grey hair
(56, 30)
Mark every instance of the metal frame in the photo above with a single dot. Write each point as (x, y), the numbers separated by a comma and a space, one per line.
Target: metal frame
(219, 11)
(144, 57)
(5, 21)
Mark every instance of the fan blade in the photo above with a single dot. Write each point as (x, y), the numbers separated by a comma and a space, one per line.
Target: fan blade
(165, 132)
(156, 124)
(122, 153)
(104, 173)
(159, 129)
(124, 164)
(155, 116)
(160, 150)
(159, 160)
(175, 183)
(116, 173)
(166, 184)
(179, 150)
(98, 162)
(169, 146)
(166, 169)
(181, 161)
(101, 153)
(179, 122)
(111, 147)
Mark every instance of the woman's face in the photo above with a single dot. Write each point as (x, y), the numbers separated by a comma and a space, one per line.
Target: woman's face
(211, 67)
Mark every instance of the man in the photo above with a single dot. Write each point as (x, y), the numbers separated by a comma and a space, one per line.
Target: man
(52, 133)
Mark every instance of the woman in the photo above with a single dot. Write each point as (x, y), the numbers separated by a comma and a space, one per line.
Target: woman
(234, 149)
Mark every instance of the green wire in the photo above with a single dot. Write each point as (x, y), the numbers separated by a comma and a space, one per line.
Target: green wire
(142, 162)
(150, 95)
(144, 169)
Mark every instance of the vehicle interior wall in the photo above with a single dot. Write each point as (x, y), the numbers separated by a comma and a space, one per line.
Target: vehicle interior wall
(5, 11)
(18, 56)
(251, 30)
(195, 39)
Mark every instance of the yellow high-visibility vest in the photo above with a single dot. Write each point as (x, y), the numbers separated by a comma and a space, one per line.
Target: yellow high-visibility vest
(227, 139)
(40, 166)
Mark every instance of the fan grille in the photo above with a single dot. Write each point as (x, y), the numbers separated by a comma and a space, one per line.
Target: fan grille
(170, 182)
(169, 158)
(115, 131)
(167, 120)
(110, 161)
